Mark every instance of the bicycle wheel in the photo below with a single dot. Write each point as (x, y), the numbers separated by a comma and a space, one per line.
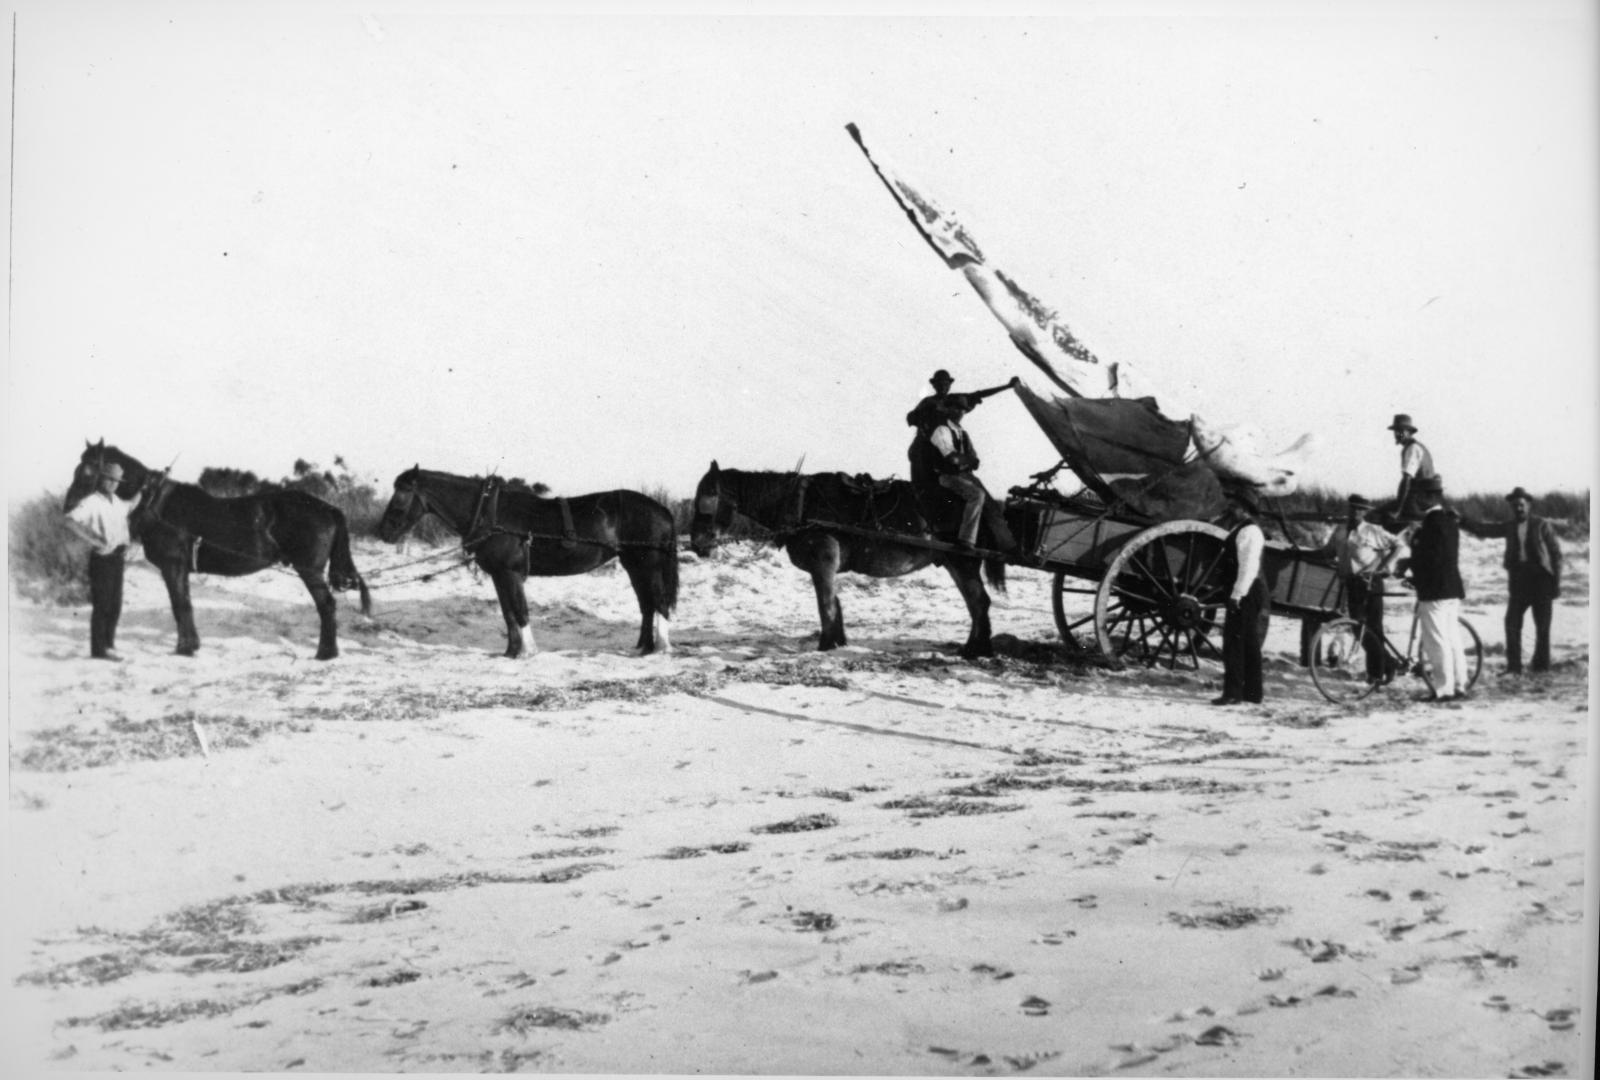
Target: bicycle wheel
(1472, 645)
(1471, 648)
(1339, 661)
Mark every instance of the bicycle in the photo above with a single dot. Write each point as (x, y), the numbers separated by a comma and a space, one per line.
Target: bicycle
(1339, 658)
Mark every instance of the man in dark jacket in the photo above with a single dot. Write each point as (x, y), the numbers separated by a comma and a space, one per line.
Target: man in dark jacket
(1533, 565)
(1436, 576)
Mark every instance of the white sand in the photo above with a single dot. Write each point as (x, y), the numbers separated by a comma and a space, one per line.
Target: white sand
(1400, 887)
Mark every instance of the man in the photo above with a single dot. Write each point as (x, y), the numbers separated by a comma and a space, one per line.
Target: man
(1436, 576)
(942, 454)
(1244, 629)
(1533, 565)
(1420, 484)
(102, 520)
(1367, 557)
(931, 409)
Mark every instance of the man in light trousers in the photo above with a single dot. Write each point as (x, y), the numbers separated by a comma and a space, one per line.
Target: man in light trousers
(1436, 576)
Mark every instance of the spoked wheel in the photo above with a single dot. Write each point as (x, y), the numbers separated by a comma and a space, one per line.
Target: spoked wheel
(1072, 601)
(1162, 597)
(1339, 661)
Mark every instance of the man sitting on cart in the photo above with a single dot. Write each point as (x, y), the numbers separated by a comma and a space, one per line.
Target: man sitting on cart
(942, 454)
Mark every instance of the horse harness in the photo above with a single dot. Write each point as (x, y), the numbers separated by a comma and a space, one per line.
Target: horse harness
(486, 523)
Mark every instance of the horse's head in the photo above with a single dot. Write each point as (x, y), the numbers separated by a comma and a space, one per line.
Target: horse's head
(99, 463)
(713, 512)
(407, 506)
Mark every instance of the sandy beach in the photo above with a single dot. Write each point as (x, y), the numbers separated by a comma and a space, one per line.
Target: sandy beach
(750, 857)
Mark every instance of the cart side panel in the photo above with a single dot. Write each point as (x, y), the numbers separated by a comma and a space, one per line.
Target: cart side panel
(1300, 586)
(1067, 540)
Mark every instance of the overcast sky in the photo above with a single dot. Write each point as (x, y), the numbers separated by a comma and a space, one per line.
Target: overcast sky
(599, 251)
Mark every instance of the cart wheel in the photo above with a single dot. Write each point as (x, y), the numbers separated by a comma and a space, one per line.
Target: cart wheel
(1161, 599)
(1339, 661)
(1072, 601)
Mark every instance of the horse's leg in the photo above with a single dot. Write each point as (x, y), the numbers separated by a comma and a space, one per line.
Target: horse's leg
(640, 575)
(176, 574)
(322, 596)
(964, 572)
(821, 556)
(514, 608)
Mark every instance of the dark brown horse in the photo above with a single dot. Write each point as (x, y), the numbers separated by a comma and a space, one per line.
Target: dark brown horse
(185, 529)
(830, 523)
(514, 534)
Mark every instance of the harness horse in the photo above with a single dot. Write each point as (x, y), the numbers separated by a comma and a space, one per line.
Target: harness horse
(185, 529)
(513, 535)
(829, 523)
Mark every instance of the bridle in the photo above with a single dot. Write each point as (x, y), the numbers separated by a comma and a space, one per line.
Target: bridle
(720, 516)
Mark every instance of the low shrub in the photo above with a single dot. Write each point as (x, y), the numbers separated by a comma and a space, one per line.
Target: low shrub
(49, 564)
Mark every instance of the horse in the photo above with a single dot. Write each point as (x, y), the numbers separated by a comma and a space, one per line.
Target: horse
(185, 529)
(828, 523)
(514, 534)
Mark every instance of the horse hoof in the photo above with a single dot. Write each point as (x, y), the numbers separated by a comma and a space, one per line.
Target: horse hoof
(328, 656)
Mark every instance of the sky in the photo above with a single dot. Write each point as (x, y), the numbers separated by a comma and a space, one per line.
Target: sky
(599, 251)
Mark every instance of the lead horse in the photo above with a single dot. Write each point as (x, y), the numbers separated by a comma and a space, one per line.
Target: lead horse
(185, 529)
(830, 523)
(513, 534)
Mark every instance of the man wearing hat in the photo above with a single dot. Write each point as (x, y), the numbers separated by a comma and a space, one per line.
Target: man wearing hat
(1420, 485)
(102, 520)
(1436, 576)
(1367, 556)
(1533, 566)
(942, 454)
(1244, 629)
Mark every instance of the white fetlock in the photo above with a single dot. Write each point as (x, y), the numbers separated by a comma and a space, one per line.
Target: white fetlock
(528, 647)
(663, 634)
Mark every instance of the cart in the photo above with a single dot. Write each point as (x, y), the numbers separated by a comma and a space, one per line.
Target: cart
(1133, 583)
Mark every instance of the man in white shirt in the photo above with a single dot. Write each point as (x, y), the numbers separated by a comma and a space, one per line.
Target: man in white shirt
(956, 465)
(1420, 484)
(1368, 555)
(101, 519)
(1244, 629)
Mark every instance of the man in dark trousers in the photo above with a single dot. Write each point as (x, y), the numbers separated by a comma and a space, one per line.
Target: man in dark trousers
(101, 520)
(1533, 565)
(1244, 629)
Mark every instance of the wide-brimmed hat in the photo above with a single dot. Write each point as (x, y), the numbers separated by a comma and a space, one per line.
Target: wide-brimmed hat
(1402, 422)
(1518, 493)
(111, 470)
(1360, 502)
(941, 376)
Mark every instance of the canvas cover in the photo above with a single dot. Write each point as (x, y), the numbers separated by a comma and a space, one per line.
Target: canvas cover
(1128, 452)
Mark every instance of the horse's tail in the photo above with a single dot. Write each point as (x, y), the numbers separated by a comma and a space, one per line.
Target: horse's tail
(665, 583)
(342, 572)
(995, 570)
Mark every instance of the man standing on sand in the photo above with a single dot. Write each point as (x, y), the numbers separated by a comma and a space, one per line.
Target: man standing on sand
(1244, 629)
(1420, 484)
(1533, 566)
(1436, 575)
(1368, 556)
(102, 520)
